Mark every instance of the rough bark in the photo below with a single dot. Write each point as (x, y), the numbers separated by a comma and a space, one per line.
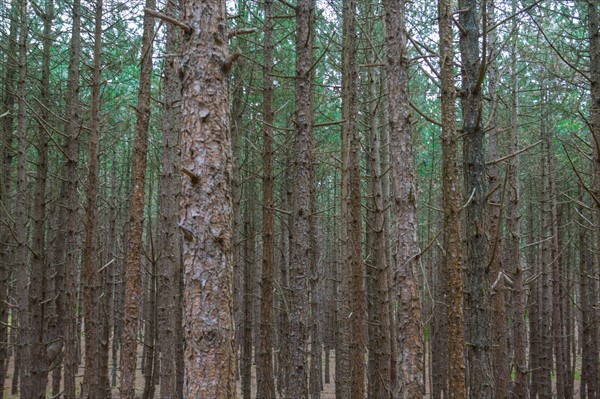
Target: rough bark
(477, 295)
(592, 318)
(342, 349)
(6, 177)
(247, 322)
(546, 259)
(132, 264)
(95, 378)
(379, 373)
(352, 255)
(495, 213)
(38, 306)
(264, 369)
(301, 207)
(452, 204)
(206, 203)
(513, 240)
(316, 348)
(169, 248)
(23, 358)
(66, 253)
(409, 321)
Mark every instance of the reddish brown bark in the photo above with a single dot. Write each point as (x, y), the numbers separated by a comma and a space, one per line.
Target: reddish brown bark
(95, 379)
(169, 186)
(409, 338)
(264, 371)
(452, 203)
(206, 203)
(133, 297)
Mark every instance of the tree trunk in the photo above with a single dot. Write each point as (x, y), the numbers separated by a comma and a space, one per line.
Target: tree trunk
(66, 253)
(169, 245)
(301, 207)
(410, 333)
(495, 214)
(513, 239)
(546, 263)
(592, 318)
(206, 203)
(452, 204)
(477, 299)
(379, 322)
(23, 359)
(95, 379)
(352, 255)
(247, 294)
(264, 368)
(136, 214)
(6, 185)
(38, 305)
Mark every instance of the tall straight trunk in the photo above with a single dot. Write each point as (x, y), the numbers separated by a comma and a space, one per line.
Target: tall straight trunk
(7, 108)
(452, 204)
(534, 306)
(556, 266)
(132, 263)
(150, 319)
(352, 255)
(477, 287)
(342, 350)
(379, 323)
(410, 367)
(284, 350)
(546, 258)
(589, 323)
(316, 348)
(301, 207)
(169, 248)
(495, 215)
(23, 358)
(95, 378)
(247, 294)
(594, 38)
(66, 253)
(237, 114)
(38, 306)
(513, 239)
(264, 367)
(206, 204)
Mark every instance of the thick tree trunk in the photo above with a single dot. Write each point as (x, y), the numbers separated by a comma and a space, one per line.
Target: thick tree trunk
(409, 321)
(301, 207)
(132, 264)
(206, 203)
(452, 204)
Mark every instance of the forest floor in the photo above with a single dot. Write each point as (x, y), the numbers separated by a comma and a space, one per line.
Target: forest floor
(327, 393)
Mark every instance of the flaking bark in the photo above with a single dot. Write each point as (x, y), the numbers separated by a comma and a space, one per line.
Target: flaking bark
(206, 207)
